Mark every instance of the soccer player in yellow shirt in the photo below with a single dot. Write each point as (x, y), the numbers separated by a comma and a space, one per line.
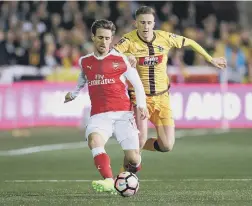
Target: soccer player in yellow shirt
(150, 49)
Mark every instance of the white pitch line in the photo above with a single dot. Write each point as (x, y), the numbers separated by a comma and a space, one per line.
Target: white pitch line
(215, 180)
(141, 180)
(44, 181)
(46, 148)
(77, 145)
(59, 181)
(43, 148)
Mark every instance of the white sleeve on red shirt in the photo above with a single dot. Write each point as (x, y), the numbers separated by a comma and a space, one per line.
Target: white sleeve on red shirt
(82, 80)
(132, 75)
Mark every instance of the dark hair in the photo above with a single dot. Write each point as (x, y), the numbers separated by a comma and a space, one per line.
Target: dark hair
(145, 10)
(103, 24)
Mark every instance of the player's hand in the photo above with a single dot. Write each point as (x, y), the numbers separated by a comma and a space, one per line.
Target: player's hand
(68, 98)
(132, 60)
(143, 113)
(219, 62)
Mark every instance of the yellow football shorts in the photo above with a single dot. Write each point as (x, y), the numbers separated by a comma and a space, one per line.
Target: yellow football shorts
(159, 109)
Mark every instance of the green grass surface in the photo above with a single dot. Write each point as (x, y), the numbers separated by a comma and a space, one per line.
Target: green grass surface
(201, 170)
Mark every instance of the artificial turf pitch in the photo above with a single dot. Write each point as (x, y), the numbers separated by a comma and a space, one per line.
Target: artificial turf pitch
(209, 169)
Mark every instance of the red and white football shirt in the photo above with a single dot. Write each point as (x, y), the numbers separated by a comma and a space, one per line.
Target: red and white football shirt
(106, 78)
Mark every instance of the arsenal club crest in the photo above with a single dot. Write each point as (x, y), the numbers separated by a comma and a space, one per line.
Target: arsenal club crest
(115, 65)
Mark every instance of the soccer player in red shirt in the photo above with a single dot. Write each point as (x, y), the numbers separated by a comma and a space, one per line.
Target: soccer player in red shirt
(106, 72)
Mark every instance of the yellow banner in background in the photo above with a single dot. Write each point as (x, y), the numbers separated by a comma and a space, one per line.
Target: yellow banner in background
(63, 75)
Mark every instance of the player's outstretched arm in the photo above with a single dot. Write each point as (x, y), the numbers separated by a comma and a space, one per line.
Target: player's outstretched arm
(81, 83)
(219, 62)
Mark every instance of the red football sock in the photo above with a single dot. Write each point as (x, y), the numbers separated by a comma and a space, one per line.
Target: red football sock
(102, 163)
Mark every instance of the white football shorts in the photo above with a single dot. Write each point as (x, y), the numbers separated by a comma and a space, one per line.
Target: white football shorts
(121, 123)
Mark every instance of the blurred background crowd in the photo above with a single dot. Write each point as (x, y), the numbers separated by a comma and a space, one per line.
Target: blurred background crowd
(56, 34)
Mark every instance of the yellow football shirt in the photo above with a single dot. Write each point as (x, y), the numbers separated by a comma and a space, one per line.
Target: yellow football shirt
(151, 57)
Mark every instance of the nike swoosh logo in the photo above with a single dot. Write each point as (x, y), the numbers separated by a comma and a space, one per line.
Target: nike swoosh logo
(122, 184)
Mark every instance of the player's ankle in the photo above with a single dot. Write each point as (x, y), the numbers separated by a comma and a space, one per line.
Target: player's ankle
(134, 168)
(110, 179)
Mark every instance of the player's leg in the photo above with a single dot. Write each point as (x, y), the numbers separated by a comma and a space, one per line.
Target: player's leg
(96, 144)
(126, 133)
(98, 131)
(165, 127)
(142, 126)
(133, 158)
(165, 135)
(166, 138)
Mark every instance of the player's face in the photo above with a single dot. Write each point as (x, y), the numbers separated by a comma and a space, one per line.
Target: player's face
(145, 24)
(102, 40)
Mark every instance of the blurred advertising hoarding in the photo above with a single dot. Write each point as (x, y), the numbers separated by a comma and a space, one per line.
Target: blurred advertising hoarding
(33, 104)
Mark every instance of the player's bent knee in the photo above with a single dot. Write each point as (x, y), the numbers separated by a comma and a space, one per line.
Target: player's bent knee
(95, 140)
(168, 147)
(163, 147)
